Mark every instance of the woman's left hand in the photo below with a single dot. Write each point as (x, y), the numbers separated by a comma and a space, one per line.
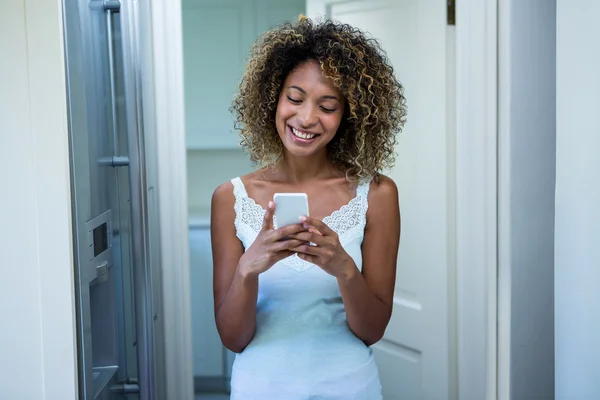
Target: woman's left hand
(327, 252)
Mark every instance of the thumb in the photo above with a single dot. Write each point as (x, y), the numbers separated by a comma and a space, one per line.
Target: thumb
(268, 220)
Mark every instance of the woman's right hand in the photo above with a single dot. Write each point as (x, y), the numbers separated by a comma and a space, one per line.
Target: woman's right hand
(269, 248)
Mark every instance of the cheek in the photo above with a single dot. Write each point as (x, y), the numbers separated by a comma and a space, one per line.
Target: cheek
(333, 122)
(283, 109)
(282, 114)
(278, 115)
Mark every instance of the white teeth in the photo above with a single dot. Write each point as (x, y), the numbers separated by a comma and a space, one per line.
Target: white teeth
(302, 134)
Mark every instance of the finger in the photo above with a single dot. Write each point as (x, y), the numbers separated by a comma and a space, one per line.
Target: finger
(287, 230)
(285, 245)
(268, 219)
(319, 225)
(315, 238)
(309, 258)
(308, 249)
(314, 230)
(283, 254)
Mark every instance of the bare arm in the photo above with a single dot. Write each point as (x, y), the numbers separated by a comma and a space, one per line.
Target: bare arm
(368, 296)
(234, 294)
(235, 272)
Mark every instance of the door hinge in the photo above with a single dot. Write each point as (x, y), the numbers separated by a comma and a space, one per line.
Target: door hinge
(106, 5)
(451, 12)
(125, 388)
(114, 161)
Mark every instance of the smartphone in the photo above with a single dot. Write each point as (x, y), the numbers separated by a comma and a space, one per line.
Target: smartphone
(289, 207)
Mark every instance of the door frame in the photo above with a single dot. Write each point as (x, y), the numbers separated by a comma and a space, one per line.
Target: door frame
(477, 197)
(476, 192)
(162, 97)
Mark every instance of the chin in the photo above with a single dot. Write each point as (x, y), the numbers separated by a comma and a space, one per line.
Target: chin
(296, 152)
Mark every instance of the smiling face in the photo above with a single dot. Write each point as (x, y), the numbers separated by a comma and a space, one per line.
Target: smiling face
(309, 110)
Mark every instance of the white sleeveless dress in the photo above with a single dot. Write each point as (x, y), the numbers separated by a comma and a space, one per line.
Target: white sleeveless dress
(303, 347)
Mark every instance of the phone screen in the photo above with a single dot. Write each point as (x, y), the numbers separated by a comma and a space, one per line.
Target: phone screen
(289, 207)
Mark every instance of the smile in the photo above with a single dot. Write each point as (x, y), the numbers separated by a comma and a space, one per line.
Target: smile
(302, 135)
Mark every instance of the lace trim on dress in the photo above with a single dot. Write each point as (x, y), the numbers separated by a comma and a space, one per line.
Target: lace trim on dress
(348, 221)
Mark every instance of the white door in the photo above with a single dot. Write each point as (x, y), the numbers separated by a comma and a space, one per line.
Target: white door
(415, 357)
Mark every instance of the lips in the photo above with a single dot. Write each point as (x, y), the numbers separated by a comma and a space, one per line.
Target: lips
(301, 136)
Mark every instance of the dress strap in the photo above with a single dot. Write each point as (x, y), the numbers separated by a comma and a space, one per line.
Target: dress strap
(248, 215)
(362, 192)
(363, 189)
(239, 190)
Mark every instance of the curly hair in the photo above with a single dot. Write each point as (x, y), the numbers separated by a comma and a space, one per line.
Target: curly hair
(375, 107)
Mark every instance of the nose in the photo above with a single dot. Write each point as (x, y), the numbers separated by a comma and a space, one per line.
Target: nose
(307, 116)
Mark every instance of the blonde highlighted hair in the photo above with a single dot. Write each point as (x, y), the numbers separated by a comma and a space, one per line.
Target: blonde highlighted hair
(375, 104)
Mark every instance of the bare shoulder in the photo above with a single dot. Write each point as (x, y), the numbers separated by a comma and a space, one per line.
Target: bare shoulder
(383, 192)
(383, 201)
(223, 192)
(223, 195)
(222, 205)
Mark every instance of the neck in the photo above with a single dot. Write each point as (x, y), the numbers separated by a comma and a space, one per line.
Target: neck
(302, 169)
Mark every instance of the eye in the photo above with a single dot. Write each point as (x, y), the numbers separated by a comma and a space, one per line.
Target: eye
(294, 101)
(328, 110)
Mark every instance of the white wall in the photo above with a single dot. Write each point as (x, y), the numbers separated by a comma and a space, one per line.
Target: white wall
(207, 169)
(37, 339)
(577, 230)
(526, 196)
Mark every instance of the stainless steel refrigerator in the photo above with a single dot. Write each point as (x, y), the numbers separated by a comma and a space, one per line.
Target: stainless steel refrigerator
(120, 343)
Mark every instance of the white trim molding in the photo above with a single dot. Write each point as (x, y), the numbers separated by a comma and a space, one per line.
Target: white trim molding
(476, 145)
(504, 209)
(38, 343)
(163, 97)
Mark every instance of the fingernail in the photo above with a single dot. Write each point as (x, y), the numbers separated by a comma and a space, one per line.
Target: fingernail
(302, 218)
(270, 204)
(305, 226)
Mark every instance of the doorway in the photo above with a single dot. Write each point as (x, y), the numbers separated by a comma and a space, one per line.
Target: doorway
(445, 305)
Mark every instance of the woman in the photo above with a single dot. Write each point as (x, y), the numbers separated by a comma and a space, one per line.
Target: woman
(318, 109)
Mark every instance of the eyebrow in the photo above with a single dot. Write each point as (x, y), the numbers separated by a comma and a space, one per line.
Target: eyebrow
(304, 92)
